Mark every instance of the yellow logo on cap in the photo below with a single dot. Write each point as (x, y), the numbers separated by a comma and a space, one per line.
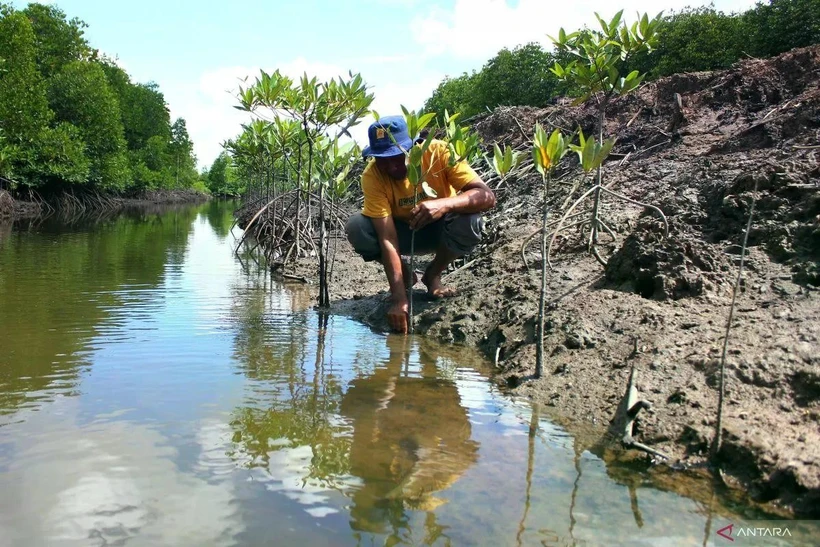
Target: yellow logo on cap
(380, 134)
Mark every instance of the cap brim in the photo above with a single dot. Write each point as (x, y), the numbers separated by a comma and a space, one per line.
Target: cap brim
(394, 150)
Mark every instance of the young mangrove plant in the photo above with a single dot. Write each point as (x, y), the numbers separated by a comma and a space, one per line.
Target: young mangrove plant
(504, 162)
(316, 108)
(597, 72)
(718, 438)
(546, 153)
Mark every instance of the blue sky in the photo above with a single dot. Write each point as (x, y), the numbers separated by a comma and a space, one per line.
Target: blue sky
(197, 51)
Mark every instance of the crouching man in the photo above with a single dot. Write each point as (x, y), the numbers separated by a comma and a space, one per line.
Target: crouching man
(448, 225)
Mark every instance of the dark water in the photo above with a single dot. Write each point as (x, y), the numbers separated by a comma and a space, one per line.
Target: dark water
(155, 390)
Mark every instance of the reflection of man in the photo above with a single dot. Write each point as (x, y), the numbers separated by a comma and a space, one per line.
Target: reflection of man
(411, 438)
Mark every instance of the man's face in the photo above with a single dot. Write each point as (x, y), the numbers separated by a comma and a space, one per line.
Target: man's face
(393, 166)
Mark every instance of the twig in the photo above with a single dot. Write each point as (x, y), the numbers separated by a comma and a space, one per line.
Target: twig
(524, 133)
(719, 422)
(631, 408)
(645, 150)
(295, 277)
(635, 117)
(468, 264)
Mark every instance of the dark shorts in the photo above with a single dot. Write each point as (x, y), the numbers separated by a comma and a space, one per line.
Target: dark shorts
(458, 233)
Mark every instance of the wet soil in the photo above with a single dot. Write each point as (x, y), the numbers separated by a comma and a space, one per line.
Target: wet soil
(661, 304)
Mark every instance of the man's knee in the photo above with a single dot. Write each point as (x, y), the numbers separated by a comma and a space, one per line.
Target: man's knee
(462, 233)
(362, 236)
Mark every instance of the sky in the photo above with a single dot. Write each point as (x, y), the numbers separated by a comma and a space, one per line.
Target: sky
(197, 51)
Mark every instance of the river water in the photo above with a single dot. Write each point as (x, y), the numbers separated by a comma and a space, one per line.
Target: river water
(157, 390)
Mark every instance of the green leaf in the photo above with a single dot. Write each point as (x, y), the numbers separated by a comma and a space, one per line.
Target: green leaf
(613, 25)
(602, 23)
(536, 159)
(556, 147)
(428, 190)
(414, 174)
(426, 144)
(425, 120)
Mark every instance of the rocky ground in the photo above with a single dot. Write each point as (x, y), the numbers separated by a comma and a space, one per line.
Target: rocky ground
(661, 304)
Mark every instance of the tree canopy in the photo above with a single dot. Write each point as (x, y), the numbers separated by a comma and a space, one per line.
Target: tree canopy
(689, 40)
(70, 118)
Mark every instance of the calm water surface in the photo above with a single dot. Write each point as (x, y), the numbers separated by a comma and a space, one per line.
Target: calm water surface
(156, 390)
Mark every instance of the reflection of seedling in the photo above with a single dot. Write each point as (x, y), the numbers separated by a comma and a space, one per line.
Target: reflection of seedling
(596, 71)
(546, 153)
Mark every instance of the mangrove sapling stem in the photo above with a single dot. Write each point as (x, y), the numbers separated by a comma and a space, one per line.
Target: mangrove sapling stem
(722, 380)
(563, 219)
(539, 349)
(409, 282)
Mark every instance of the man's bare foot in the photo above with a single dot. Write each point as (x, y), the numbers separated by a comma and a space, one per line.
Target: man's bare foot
(435, 289)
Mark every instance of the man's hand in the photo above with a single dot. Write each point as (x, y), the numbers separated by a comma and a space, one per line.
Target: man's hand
(427, 212)
(398, 316)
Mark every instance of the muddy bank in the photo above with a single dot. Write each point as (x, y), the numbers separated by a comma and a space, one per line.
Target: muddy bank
(32, 207)
(662, 304)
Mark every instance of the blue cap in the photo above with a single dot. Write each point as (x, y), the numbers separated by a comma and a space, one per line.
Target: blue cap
(381, 144)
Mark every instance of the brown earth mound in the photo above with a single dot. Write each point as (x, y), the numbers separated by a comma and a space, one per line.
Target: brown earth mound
(662, 304)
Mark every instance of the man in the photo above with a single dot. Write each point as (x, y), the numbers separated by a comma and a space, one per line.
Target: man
(449, 225)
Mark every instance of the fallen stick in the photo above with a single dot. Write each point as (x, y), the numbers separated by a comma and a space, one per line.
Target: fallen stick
(470, 263)
(296, 278)
(633, 406)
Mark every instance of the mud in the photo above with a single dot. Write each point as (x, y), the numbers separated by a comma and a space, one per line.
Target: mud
(661, 305)
(36, 207)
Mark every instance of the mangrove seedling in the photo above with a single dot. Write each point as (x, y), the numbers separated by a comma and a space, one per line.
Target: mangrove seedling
(597, 72)
(504, 162)
(546, 153)
(316, 107)
(591, 154)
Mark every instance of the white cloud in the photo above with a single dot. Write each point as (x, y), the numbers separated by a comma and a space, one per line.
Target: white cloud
(477, 29)
(211, 117)
(209, 108)
(465, 35)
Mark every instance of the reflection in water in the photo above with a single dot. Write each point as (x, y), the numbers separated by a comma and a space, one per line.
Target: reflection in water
(59, 286)
(390, 439)
(411, 439)
(153, 392)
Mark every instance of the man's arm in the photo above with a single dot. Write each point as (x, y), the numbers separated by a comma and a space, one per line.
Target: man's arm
(397, 316)
(475, 197)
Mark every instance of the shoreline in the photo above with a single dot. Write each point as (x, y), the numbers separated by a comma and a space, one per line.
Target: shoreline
(660, 305)
(17, 209)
